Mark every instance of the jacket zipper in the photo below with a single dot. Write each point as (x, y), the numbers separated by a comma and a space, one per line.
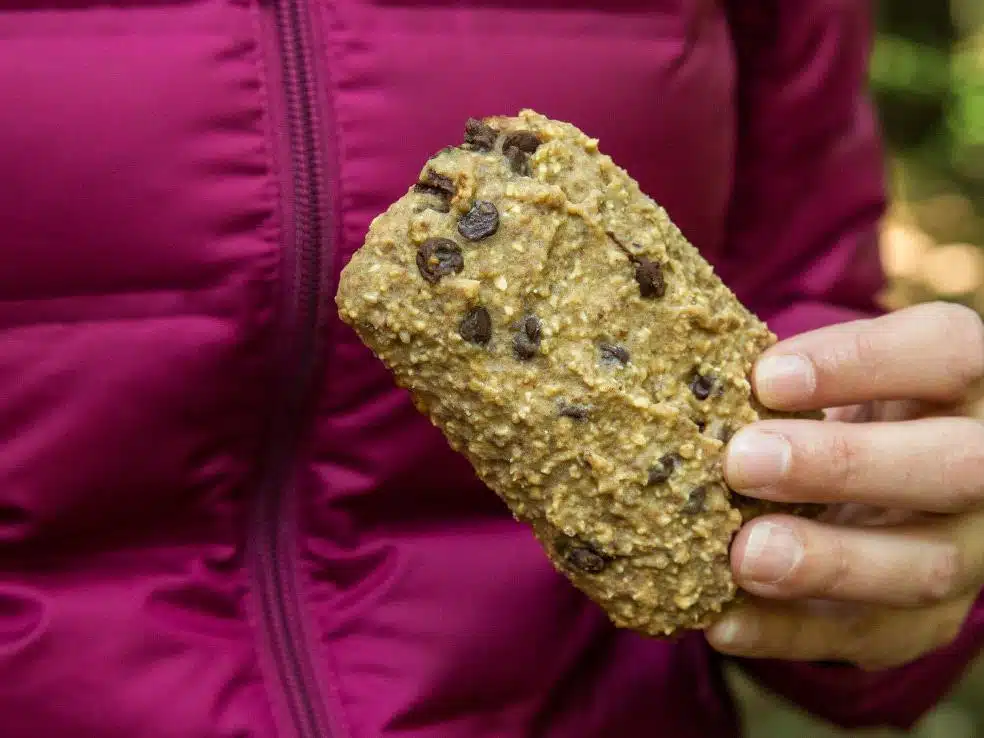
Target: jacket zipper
(271, 545)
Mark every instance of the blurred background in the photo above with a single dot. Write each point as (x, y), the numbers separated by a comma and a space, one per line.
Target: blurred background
(927, 78)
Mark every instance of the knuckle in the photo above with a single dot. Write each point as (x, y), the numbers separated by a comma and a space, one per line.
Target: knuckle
(962, 466)
(864, 349)
(844, 459)
(963, 331)
(836, 570)
(942, 578)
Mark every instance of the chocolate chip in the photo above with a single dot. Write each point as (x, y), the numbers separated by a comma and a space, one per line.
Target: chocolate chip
(663, 469)
(533, 328)
(581, 555)
(586, 559)
(479, 136)
(701, 425)
(439, 186)
(479, 222)
(523, 140)
(438, 257)
(523, 347)
(519, 161)
(476, 326)
(701, 386)
(574, 410)
(649, 275)
(526, 344)
(613, 354)
(433, 182)
(423, 188)
(695, 501)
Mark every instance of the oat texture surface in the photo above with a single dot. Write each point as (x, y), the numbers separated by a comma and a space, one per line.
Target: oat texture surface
(565, 336)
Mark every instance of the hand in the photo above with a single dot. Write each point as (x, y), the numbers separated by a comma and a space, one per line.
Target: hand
(891, 571)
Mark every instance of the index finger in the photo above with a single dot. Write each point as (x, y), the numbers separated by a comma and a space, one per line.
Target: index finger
(931, 352)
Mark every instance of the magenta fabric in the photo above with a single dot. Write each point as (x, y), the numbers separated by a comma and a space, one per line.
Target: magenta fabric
(218, 516)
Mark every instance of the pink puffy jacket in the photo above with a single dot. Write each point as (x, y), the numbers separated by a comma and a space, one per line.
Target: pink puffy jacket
(218, 517)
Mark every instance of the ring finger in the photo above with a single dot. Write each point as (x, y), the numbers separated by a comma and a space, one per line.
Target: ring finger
(785, 557)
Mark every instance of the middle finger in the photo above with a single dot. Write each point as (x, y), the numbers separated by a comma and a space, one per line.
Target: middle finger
(929, 465)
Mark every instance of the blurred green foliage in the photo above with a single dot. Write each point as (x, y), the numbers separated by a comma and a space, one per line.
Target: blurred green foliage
(927, 79)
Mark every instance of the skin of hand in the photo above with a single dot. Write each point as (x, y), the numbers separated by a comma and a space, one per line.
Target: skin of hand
(891, 570)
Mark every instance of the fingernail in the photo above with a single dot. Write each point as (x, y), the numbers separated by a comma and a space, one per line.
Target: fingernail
(729, 632)
(771, 553)
(784, 379)
(756, 459)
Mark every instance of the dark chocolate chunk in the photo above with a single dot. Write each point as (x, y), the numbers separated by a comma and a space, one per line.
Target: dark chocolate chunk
(526, 344)
(519, 161)
(649, 275)
(585, 559)
(663, 469)
(438, 257)
(613, 354)
(701, 386)
(695, 501)
(701, 424)
(476, 326)
(480, 136)
(436, 183)
(439, 186)
(574, 410)
(526, 141)
(479, 222)
(524, 347)
(581, 555)
(533, 328)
